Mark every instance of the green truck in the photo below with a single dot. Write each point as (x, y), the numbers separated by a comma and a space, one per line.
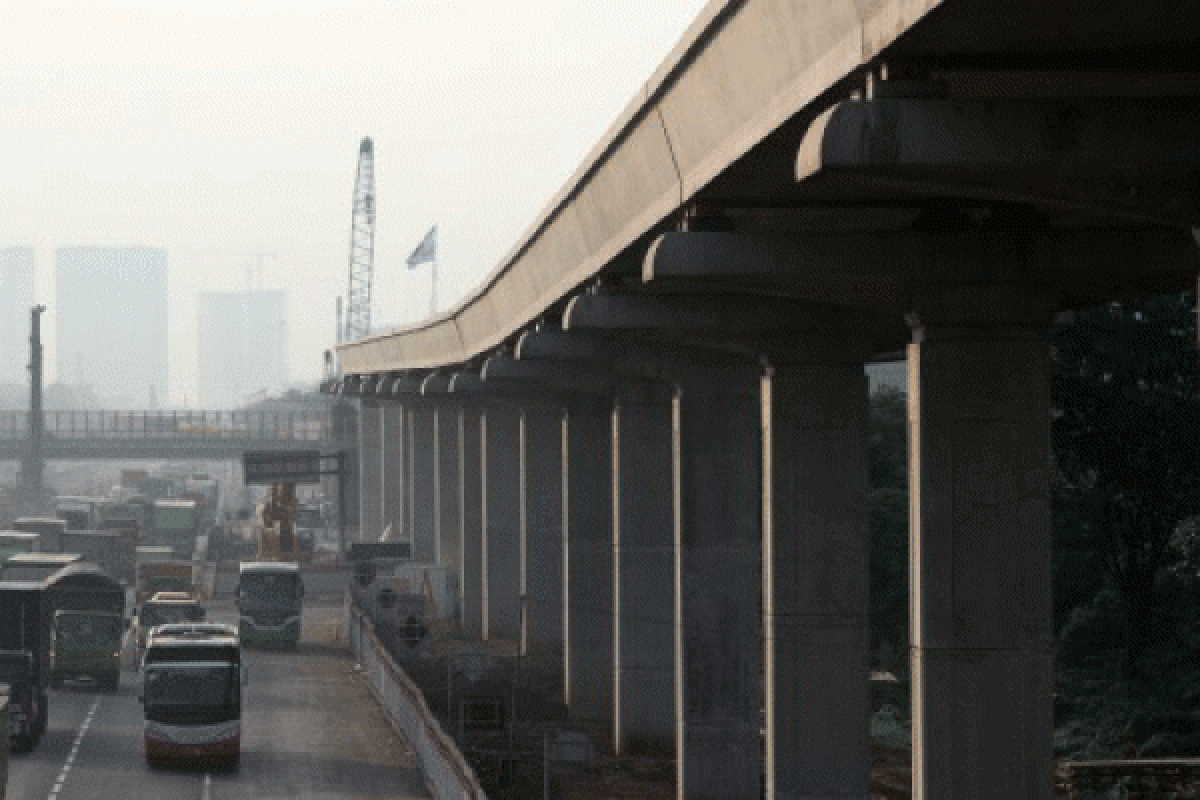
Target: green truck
(88, 623)
(175, 524)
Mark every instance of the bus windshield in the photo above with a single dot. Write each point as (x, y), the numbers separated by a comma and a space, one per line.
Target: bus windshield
(162, 613)
(89, 629)
(270, 587)
(191, 685)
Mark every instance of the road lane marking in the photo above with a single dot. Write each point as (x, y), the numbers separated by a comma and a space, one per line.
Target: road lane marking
(66, 770)
(207, 793)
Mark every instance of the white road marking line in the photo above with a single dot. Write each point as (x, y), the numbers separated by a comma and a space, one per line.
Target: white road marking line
(207, 793)
(66, 770)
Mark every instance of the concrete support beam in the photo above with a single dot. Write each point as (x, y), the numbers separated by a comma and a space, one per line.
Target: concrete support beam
(446, 490)
(542, 527)
(422, 508)
(644, 563)
(470, 521)
(815, 660)
(395, 470)
(718, 534)
(980, 527)
(503, 548)
(370, 469)
(1096, 155)
(587, 679)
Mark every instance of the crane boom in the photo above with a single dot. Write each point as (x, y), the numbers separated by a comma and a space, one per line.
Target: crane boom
(362, 244)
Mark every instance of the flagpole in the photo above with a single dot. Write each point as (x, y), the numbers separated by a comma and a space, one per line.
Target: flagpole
(433, 286)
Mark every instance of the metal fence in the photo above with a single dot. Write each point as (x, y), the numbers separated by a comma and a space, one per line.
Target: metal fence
(285, 426)
(447, 773)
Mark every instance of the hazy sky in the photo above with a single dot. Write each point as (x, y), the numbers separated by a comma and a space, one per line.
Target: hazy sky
(221, 129)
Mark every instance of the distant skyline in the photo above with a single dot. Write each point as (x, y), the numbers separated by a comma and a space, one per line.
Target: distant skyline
(242, 350)
(111, 326)
(219, 130)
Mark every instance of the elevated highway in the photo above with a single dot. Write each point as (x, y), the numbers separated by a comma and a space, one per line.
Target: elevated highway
(642, 439)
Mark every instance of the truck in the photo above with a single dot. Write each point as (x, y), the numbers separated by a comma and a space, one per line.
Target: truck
(114, 551)
(89, 621)
(270, 598)
(192, 698)
(48, 529)
(205, 491)
(36, 566)
(164, 608)
(175, 524)
(80, 513)
(163, 576)
(26, 617)
(122, 516)
(13, 542)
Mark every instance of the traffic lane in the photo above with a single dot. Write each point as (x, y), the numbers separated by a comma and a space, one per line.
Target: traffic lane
(111, 763)
(32, 775)
(311, 729)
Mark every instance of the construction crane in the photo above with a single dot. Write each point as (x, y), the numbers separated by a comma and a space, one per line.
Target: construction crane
(362, 245)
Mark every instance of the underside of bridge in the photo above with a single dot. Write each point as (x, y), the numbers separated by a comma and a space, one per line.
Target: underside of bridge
(643, 440)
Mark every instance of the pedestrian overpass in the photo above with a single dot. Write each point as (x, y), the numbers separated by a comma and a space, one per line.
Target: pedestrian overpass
(72, 435)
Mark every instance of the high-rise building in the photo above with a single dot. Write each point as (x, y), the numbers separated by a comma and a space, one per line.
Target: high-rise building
(111, 313)
(242, 345)
(16, 298)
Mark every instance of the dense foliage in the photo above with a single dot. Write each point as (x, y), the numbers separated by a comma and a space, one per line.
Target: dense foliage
(1126, 447)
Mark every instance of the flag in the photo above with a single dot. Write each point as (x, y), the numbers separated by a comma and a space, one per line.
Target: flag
(426, 250)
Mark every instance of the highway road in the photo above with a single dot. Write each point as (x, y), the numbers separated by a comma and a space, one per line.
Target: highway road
(310, 729)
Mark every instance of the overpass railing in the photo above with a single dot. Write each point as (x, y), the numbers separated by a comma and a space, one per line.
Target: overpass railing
(447, 774)
(173, 426)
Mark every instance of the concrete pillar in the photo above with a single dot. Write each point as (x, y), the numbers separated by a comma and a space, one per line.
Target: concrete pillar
(446, 488)
(394, 470)
(503, 557)
(542, 523)
(587, 674)
(644, 560)
(979, 417)
(470, 521)
(718, 533)
(815, 549)
(370, 470)
(421, 458)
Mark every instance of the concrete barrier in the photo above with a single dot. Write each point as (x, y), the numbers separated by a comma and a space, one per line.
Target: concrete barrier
(3, 741)
(447, 774)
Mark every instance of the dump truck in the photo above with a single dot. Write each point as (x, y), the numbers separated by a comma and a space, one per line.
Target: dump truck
(89, 621)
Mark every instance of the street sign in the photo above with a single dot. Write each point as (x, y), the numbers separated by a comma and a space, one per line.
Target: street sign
(278, 466)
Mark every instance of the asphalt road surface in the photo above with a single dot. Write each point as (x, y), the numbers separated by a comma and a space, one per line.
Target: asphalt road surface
(310, 729)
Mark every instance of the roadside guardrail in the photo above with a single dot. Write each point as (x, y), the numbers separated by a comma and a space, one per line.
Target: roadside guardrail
(447, 774)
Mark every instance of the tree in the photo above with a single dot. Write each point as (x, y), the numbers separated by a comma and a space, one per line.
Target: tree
(1125, 443)
(887, 522)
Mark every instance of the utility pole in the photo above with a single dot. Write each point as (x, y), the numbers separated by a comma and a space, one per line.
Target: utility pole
(33, 466)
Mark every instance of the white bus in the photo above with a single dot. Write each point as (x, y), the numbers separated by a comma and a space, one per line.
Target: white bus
(192, 698)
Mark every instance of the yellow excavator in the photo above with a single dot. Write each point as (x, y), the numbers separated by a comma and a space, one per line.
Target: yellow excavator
(276, 528)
